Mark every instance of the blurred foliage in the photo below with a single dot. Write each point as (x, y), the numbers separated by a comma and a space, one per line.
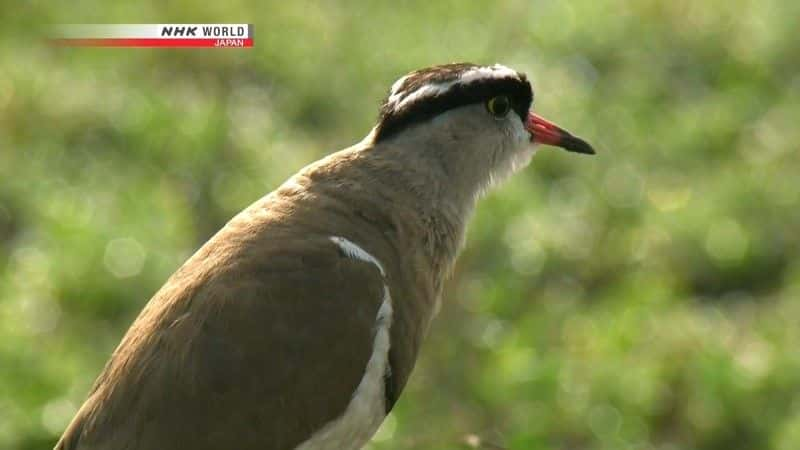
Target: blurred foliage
(643, 299)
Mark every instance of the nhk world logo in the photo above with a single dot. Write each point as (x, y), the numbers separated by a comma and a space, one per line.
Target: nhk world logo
(213, 35)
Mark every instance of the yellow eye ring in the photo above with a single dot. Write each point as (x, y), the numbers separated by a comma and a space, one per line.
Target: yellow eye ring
(499, 106)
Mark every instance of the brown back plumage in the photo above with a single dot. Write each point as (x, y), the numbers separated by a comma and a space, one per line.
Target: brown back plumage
(265, 332)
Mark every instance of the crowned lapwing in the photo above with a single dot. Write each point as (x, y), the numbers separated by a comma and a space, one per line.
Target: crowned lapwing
(297, 325)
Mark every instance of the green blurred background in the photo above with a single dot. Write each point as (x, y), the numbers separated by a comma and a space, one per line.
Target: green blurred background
(643, 299)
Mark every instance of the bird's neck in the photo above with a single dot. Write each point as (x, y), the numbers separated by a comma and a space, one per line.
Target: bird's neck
(439, 197)
(421, 204)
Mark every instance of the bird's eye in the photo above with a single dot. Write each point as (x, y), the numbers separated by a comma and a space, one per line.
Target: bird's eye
(499, 106)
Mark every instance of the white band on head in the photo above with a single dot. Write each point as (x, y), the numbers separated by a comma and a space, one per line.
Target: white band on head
(398, 99)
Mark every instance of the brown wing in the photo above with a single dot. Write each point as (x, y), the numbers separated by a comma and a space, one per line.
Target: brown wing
(247, 347)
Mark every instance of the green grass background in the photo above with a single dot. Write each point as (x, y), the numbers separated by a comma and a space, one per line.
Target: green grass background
(643, 299)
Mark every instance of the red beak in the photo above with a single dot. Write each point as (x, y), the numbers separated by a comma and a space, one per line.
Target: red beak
(548, 133)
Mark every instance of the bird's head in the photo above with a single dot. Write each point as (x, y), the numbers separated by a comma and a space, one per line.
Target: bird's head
(476, 121)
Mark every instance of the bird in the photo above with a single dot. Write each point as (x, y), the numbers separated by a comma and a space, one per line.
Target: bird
(297, 325)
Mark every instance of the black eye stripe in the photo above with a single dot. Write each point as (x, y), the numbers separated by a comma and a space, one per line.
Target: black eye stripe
(414, 110)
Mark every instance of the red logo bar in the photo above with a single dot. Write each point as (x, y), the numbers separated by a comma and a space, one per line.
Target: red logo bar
(155, 42)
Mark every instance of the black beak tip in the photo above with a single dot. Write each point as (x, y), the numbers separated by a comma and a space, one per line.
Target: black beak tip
(577, 145)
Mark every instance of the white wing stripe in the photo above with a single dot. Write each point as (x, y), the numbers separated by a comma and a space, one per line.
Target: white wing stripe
(354, 251)
(367, 407)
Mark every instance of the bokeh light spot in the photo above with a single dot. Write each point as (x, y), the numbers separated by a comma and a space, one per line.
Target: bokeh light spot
(668, 191)
(40, 314)
(57, 414)
(124, 257)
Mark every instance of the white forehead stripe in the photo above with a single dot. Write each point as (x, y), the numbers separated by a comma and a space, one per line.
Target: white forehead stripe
(427, 90)
(354, 251)
(397, 84)
(398, 99)
(495, 71)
